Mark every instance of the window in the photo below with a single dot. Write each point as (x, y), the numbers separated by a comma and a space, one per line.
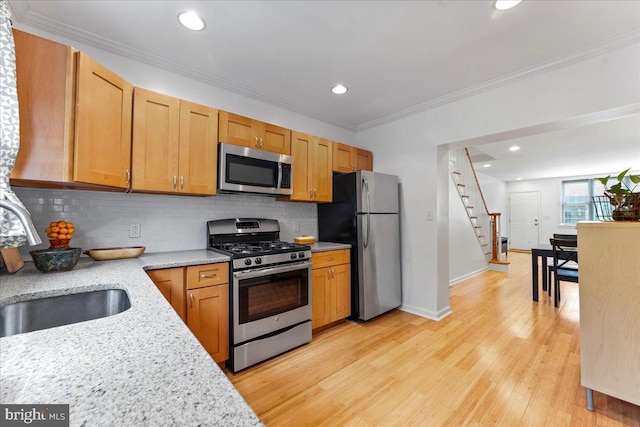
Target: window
(576, 199)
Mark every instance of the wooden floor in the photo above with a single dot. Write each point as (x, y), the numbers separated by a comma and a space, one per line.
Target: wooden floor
(498, 359)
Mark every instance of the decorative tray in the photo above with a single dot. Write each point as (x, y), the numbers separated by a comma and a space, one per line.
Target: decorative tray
(104, 254)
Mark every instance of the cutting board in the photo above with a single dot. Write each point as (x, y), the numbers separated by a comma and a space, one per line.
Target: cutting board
(12, 259)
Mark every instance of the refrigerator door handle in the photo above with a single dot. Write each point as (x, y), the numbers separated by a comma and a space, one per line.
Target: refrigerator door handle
(368, 234)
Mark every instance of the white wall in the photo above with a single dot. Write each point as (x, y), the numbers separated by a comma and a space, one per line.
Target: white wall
(407, 148)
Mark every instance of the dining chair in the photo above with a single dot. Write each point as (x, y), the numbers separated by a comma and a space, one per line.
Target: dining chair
(565, 264)
(549, 264)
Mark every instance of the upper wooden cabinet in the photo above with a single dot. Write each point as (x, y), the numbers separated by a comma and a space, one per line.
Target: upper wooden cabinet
(75, 117)
(312, 168)
(240, 130)
(348, 159)
(174, 145)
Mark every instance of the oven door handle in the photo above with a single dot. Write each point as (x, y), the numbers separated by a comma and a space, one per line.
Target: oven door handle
(272, 270)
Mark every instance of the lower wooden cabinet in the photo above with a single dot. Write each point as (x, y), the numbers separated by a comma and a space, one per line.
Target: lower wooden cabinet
(331, 287)
(170, 282)
(208, 319)
(200, 296)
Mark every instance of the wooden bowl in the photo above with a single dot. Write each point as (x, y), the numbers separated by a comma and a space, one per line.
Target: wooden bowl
(105, 254)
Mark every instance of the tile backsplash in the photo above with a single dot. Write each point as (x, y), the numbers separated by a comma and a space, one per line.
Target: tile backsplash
(167, 223)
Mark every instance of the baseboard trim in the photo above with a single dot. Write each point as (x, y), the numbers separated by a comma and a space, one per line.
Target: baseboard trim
(437, 316)
(467, 276)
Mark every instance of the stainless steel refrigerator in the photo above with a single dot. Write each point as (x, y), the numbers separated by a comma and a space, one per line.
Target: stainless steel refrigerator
(365, 214)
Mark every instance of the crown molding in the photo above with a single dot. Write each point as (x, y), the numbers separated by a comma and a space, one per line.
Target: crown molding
(611, 45)
(18, 9)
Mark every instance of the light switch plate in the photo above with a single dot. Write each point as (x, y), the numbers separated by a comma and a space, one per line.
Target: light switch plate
(134, 230)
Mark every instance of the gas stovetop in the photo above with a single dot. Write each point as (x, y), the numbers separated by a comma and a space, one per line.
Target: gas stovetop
(253, 242)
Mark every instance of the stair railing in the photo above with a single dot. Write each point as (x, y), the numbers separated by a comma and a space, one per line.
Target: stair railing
(486, 225)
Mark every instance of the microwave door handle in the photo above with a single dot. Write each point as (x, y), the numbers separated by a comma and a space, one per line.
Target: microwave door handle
(279, 185)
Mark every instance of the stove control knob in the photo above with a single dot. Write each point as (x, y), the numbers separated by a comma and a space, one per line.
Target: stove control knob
(294, 256)
(258, 260)
(247, 261)
(301, 255)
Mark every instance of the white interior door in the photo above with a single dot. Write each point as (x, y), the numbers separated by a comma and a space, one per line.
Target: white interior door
(524, 208)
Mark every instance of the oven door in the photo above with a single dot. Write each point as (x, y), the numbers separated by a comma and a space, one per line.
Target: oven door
(243, 169)
(269, 299)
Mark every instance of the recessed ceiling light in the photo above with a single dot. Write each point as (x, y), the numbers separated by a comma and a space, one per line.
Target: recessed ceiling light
(514, 148)
(506, 4)
(339, 89)
(518, 179)
(486, 165)
(191, 20)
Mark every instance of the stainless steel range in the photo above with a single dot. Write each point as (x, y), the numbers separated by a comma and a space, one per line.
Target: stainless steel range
(270, 301)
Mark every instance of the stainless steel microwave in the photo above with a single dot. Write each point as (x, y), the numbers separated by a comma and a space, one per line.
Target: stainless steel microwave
(247, 170)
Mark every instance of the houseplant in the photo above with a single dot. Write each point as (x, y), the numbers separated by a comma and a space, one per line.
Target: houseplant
(621, 195)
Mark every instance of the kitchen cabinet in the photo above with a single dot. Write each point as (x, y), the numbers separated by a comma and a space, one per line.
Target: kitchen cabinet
(200, 296)
(208, 307)
(174, 145)
(75, 118)
(312, 168)
(610, 308)
(170, 282)
(348, 159)
(331, 287)
(240, 130)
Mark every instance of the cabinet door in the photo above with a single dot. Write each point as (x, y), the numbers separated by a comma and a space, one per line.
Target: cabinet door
(276, 139)
(320, 298)
(340, 292)
(156, 134)
(322, 170)
(302, 152)
(170, 282)
(343, 157)
(237, 130)
(364, 160)
(198, 149)
(208, 319)
(46, 84)
(102, 150)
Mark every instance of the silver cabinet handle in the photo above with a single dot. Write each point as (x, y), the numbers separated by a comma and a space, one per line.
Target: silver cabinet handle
(261, 145)
(330, 258)
(208, 276)
(191, 297)
(256, 144)
(182, 182)
(175, 182)
(128, 177)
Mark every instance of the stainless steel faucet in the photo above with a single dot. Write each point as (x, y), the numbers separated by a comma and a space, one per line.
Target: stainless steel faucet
(23, 215)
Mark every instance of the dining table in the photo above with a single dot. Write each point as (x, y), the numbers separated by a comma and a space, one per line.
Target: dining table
(543, 251)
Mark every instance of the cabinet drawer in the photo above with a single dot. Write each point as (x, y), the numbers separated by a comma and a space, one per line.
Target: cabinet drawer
(324, 259)
(199, 276)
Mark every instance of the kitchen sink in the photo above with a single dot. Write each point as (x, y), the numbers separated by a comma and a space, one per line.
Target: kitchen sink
(44, 313)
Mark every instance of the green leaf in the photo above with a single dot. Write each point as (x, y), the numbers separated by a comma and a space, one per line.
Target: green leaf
(622, 174)
(635, 179)
(617, 189)
(604, 180)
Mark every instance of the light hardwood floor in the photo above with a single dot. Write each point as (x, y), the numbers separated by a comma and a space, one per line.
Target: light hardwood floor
(498, 359)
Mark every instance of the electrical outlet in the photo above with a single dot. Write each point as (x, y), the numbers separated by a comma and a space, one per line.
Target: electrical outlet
(134, 230)
(429, 215)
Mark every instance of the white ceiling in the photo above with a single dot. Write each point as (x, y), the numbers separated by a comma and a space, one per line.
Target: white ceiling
(396, 57)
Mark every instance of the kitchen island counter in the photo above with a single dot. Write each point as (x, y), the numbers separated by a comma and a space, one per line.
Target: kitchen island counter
(139, 367)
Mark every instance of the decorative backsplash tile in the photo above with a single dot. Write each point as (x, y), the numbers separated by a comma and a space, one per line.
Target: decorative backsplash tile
(167, 223)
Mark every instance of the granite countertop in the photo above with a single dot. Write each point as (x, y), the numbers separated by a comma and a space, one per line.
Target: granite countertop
(328, 246)
(139, 367)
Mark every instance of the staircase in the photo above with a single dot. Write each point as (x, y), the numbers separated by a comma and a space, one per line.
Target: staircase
(486, 225)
